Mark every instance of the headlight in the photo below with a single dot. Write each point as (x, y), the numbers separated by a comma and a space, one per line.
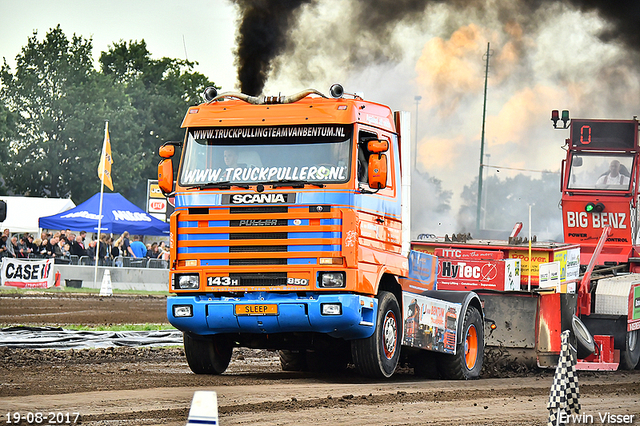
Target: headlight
(186, 282)
(331, 308)
(332, 280)
(182, 311)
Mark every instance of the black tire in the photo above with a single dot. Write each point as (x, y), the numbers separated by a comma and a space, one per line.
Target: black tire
(466, 364)
(585, 342)
(292, 360)
(207, 354)
(378, 355)
(630, 356)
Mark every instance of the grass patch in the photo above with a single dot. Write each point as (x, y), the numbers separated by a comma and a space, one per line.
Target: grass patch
(71, 290)
(121, 327)
(112, 327)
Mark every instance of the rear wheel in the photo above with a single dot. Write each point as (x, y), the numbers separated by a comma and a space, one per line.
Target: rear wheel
(466, 364)
(292, 360)
(585, 343)
(207, 354)
(630, 356)
(378, 355)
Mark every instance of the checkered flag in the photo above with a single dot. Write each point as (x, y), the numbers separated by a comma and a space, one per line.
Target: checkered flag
(565, 394)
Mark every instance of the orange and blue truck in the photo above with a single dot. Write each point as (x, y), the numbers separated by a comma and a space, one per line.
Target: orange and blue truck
(291, 233)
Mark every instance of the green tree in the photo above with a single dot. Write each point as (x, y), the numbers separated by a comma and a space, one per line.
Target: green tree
(60, 103)
(160, 90)
(57, 103)
(7, 134)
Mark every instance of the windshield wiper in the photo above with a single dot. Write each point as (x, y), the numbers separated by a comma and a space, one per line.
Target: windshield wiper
(220, 185)
(295, 183)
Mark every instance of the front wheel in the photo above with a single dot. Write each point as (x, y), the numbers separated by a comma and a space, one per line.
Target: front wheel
(466, 364)
(378, 355)
(630, 356)
(207, 354)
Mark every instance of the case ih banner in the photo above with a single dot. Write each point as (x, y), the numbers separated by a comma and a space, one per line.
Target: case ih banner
(27, 273)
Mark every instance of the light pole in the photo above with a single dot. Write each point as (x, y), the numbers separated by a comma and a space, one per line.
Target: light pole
(418, 98)
(484, 115)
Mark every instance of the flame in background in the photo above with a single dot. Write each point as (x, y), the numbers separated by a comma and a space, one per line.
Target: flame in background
(544, 55)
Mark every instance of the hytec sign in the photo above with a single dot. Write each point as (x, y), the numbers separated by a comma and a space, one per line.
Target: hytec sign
(474, 269)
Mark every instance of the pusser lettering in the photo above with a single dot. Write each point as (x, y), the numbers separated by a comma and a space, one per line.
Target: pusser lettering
(598, 220)
(258, 222)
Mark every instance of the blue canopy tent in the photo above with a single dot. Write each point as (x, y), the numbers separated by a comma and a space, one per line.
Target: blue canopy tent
(118, 215)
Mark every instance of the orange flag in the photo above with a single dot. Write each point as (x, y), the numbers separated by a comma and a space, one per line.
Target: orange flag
(104, 168)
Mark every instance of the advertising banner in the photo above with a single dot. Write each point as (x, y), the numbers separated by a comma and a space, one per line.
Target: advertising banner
(633, 317)
(464, 274)
(27, 273)
(550, 274)
(430, 323)
(422, 272)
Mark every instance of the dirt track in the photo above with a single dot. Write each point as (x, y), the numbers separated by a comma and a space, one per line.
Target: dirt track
(127, 386)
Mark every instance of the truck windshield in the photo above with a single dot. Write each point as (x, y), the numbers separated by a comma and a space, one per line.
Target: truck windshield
(600, 171)
(251, 155)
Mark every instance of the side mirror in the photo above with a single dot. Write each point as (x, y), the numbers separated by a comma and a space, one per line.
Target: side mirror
(3, 210)
(377, 146)
(165, 175)
(167, 151)
(378, 171)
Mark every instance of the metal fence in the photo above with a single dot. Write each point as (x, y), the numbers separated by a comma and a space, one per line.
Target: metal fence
(120, 261)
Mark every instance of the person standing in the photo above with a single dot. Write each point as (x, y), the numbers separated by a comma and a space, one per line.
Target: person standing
(126, 245)
(138, 249)
(12, 247)
(3, 246)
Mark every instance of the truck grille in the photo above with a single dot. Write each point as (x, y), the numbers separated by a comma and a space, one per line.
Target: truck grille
(233, 262)
(257, 249)
(259, 236)
(231, 238)
(262, 279)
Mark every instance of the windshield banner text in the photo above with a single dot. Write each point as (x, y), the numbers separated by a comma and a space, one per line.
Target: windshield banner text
(265, 174)
(271, 132)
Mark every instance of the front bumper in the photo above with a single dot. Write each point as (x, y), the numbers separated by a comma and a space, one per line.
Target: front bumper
(213, 314)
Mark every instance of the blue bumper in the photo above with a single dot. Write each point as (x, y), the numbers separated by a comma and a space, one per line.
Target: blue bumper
(214, 314)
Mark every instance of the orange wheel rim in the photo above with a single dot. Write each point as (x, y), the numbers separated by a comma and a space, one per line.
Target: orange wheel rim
(471, 347)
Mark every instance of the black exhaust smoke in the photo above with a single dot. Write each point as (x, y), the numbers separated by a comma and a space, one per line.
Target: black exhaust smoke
(262, 36)
(265, 27)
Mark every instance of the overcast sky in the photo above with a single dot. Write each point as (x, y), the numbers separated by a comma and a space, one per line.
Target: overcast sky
(548, 58)
(198, 30)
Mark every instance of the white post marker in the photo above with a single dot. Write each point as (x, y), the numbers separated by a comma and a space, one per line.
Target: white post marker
(105, 288)
(204, 409)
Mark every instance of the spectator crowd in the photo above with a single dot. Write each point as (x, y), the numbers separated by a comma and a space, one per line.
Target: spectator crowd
(67, 246)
